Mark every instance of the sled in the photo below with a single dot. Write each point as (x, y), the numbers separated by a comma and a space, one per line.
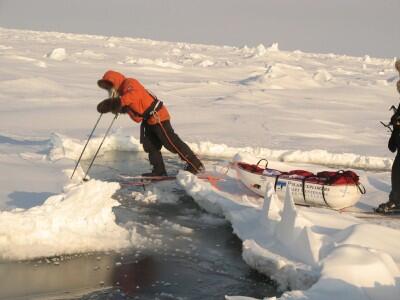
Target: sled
(335, 190)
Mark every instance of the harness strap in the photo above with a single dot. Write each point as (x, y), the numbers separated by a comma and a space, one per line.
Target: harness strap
(149, 112)
(155, 106)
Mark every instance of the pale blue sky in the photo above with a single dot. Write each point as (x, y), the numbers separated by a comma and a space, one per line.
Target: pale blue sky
(354, 27)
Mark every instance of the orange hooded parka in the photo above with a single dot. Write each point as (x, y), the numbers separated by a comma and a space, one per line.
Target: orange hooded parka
(134, 96)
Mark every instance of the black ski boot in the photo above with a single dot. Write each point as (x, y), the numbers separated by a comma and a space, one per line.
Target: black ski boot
(387, 207)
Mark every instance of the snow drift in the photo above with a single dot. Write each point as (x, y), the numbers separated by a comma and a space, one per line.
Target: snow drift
(79, 220)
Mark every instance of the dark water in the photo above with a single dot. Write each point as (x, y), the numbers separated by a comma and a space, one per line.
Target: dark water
(182, 252)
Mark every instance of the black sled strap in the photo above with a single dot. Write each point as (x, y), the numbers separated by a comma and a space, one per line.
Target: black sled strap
(153, 108)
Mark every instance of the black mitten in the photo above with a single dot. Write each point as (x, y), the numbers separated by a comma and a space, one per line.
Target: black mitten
(110, 104)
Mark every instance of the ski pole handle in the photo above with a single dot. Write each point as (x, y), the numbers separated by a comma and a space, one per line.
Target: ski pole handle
(87, 142)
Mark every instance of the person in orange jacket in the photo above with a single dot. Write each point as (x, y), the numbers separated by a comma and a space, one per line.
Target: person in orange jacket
(127, 95)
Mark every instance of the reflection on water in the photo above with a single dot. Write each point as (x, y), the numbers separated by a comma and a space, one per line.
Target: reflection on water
(50, 276)
(197, 257)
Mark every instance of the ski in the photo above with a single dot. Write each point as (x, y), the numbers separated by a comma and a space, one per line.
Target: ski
(392, 214)
(151, 178)
(146, 180)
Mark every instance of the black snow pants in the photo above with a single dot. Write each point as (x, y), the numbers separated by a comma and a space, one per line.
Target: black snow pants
(155, 137)
(394, 145)
(395, 193)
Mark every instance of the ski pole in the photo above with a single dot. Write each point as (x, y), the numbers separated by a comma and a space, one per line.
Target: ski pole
(98, 149)
(387, 126)
(87, 142)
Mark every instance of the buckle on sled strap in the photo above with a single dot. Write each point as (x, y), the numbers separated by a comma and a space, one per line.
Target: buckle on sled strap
(153, 108)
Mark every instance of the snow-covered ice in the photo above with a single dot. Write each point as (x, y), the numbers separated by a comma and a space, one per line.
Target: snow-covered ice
(57, 227)
(315, 253)
(65, 147)
(298, 110)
